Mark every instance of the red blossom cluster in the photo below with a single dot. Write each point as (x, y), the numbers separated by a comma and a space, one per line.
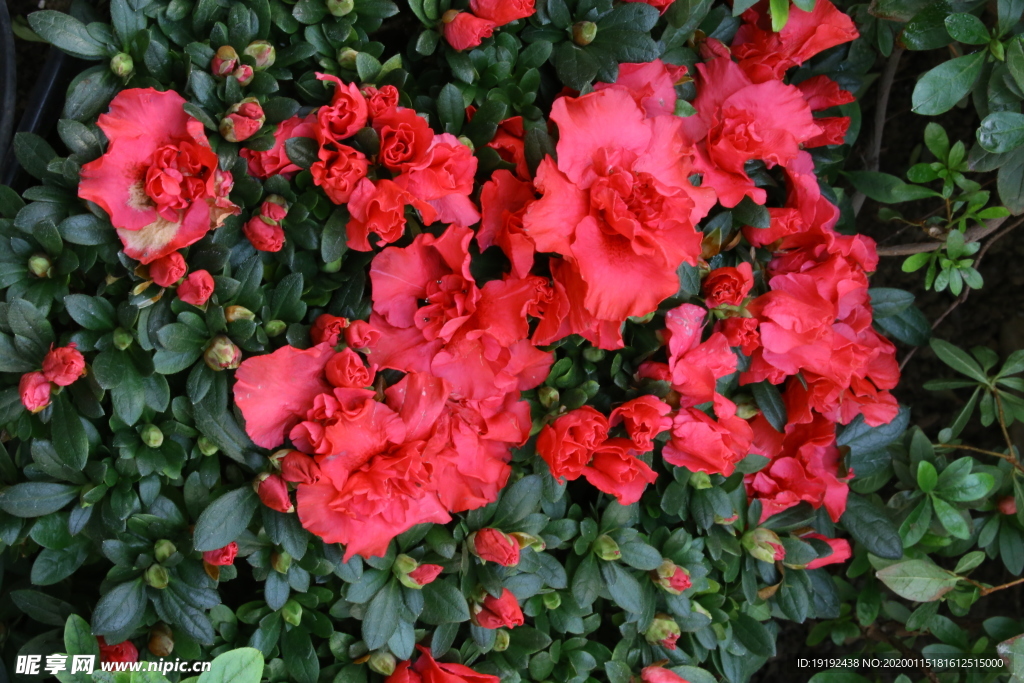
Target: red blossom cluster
(61, 367)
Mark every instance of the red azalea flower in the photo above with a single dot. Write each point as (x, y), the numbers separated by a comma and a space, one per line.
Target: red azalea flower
(338, 171)
(728, 286)
(159, 179)
(658, 674)
(644, 418)
(327, 329)
(568, 444)
(347, 369)
(299, 468)
(275, 161)
(404, 138)
(344, 116)
(464, 30)
(502, 12)
(617, 471)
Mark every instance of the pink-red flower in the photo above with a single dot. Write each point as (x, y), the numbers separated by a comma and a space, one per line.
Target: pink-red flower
(34, 390)
(502, 12)
(428, 670)
(167, 270)
(616, 470)
(275, 160)
(221, 556)
(272, 490)
(644, 418)
(63, 365)
(493, 545)
(338, 170)
(464, 30)
(125, 651)
(498, 612)
(344, 116)
(159, 179)
(728, 286)
(197, 288)
(568, 444)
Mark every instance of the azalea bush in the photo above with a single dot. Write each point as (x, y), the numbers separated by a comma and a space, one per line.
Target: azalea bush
(465, 342)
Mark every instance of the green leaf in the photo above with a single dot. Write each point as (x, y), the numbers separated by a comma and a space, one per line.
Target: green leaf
(886, 301)
(36, 498)
(753, 635)
(78, 637)
(451, 109)
(838, 676)
(780, 14)
(301, 151)
(382, 615)
(34, 154)
(518, 500)
(575, 67)
(299, 656)
(967, 29)
(443, 603)
(909, 326)
(623, 587)
(69, 438)
(586, 582)
(917, 580)
(120, 609)
(959, 360)
(886, 188)
(870, 527)
(927, 476)
(965, 489)
(940, 89)
(86, 230)
(950, 518)
(333, 241)
(1001, 131)
(225, 519)
(244, 665)
(52, 566)
(91, 312)
(67, 33)
(969, 562)
(90, 92)
(769, 400)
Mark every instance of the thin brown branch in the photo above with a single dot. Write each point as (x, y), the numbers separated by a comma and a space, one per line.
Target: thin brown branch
(967, 290)
(993, 589)
(1007, 457)
(1002, 425)
(874, 155)
(975, 234)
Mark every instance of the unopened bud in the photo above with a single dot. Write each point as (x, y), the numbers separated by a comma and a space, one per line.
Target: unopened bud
(763, 544)
(552, 601)
(263, 52)
(281, 562)
(339, 8)
(606, 548)
(275, 328)
(242, 120)
(672, 578)
(525, 540)
(292, 612)
(347, 58)
(233, 313)
(663, 631)
(548, 396)
(593, 354)
(584, 32)
(244, 74)
(163, 550)
(40, 265)
(331, 267)
(152, 436)
(1007, 505)
(207, 447)
(122, 338)
(157, 576)
(122, 65)
(700, 480)
(161, 640)
(501, 640)
(222, 354)
(224, 62)
(382, 662)
(467, 142)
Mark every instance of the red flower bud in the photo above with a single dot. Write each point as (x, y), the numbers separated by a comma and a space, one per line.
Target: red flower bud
(497, 612)
(328, 329)
(243, 120)
(1007, 505)
(197, 288)
(221, 556)
(273, 491)
(34, 389)
(63, 365)
(224, 62)
(122, 652)
(244, 74)
(492, 545)
(299, 468)
(425, 573)
(167, 270)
